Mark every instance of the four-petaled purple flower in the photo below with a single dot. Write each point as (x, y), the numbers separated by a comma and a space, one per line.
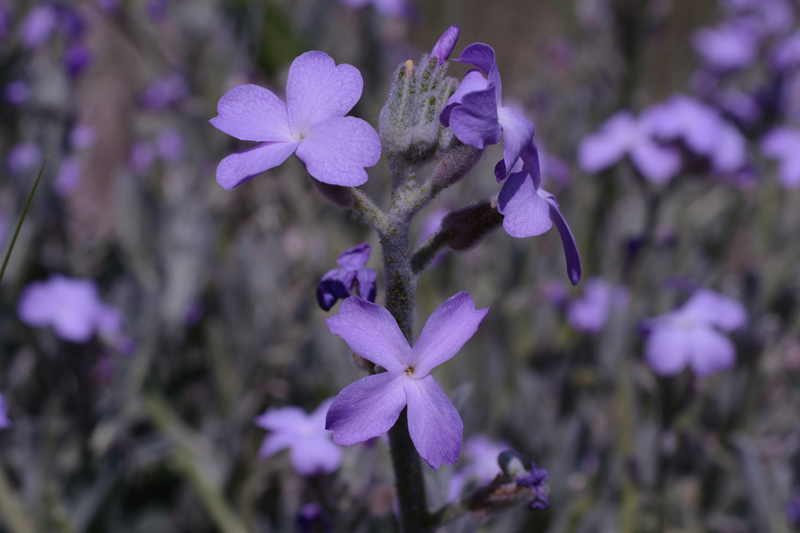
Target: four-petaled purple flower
(334, 148)
(691, 335)
(476, 114)
(310, 448)
(369, 407)
(350, 279)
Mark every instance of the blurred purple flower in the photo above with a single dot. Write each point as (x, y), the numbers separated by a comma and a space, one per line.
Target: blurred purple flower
(164, 92)
(69, 176)
(23, 157)
(625, 134)
(311, 519)
(793, 508)
(38, 25)
(482, 466)
(170, 144)
(476, 114)
(528, 210)
(4, 420)
(783, 144)
(369, 407)
(387, 8)
(77, 58)
(157, 9)
(729, 46)
(81, 137)
(17, 92)
(350, 279)
(691, 335)
(590, 312)
(334, 148)
(444, 46)
(765, 17)
(143, 155)
(786, 54)
(6, 17)
(108, 5)
(310, 448)
(535, 479)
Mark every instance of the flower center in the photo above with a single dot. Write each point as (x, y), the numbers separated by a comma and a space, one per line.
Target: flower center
(410, 371)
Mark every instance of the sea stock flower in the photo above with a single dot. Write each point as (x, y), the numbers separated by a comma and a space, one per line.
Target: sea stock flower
(591, 311)
(691, 335)
(350, 279)
(335, 148)
(310, 448)
(370, 406)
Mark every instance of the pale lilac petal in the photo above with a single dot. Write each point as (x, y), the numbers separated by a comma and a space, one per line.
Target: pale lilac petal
(729, 46)
(590, 312)
(517, 135)
(355, 257)
(336, 151)
(475, 122)
(275, 442)
(446, 331)
(367, 284)
(712, 308)
(783, 144)
(473, 81)
(38, 25)
(317, 90)
(567, 240)
(667, 348)
(74, 327)
(482, 56)
(243, 166)
(526, 214)
(730, 153)
(281, 419)
(317, 418)
(433, 422)
(315, 456)
(657, 163)
(252, 113)
(367, 408)
(710, 351)
(34, 307)
(372, 332)
(604, 148)
(444, 46)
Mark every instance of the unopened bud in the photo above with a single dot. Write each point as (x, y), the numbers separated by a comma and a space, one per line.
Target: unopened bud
(339, 195)
(444, 46)
(468, 226)
(455, 164)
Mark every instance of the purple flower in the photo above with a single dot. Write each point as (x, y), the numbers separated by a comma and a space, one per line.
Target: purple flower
(4, 420)
(311, 519)
(165, 92)
(476, 114)
(691, 335)
(143, 155)
(310, 448)
(350, 279)
(387, 8)
(590, 312)
(482, 454)
(369, 407)
(625, 134)
(81, 137)
(334, 148)
(792, 508)
(23, 157)
(17, 92)
(528, 210)
(69, 176)
(38, 25)
(783, 144)
(786, 54)
(170, 144)
(535, 479)
(444, 46)
(727, 47)
(77, 58)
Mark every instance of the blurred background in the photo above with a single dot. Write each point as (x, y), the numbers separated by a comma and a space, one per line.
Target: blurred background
(144, 422)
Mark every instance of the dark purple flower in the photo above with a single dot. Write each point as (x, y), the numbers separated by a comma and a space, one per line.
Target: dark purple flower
(22, 157)
(4, 420)
(783, 144)
(312, 125)
(165, 92)
(350, 279)
(444, 46)
(590, 312)
(476, 114)
(528, 210)
(535, 479)
(77, 58)
(310, 448)
(369, 407)
(312, 519)
(691, 335)
(17, 92)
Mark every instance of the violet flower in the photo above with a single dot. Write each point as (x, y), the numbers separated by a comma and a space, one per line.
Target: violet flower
(387, 8)
(4, 420)
(783, 144)
(22, 157)
(350, 279)
(444, 46)
(691, 335)
(70, 173)
(165, 92)
(334, 148)
(476, 114)
(370, 406)
(38, 25)
(729, 46)
(591, 312)
(170, 144)
(310, 448)
(535, 479)
(81, 137)
(77, 58)
(793, 508)
(17, 92)
(528, 210)
(786, 54)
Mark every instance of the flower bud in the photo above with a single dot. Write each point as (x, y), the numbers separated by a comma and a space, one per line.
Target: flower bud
(466, 227)
(444, 46)
(341, 196)
(455, 164)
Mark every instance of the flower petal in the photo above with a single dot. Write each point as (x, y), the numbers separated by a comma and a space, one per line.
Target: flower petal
(367, 286)
(281, 418)
(444, 46)
(433, 422)
(517, 135)
(526, 214)
(473, 81)
(667, 348)
(604, 148)
(475, 122)
(657, 163)
(252, 113)
(482, 56)
(449, 327)
(710, 351)
(34, 307)
(317, 455)
(372, 332)
(336, 151)
(355, 257)
(567, 240)
(275, 442)
(243, 166)
(710, 307)
(317, 90)
(366, 408)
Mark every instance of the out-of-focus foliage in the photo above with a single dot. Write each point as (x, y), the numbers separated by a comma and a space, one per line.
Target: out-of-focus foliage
(218, 288)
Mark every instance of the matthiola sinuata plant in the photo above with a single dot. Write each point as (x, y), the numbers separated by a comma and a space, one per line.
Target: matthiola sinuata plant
(428, 119)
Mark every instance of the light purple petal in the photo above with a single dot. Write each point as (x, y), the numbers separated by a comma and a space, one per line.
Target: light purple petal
(275, 442)
(526, 214)
(473, 81)
(590, 312)
(444, 46)
(243, 166)
(449, 327)
(604, 148)
(567, 240)
(709, 307)
(729, 46)
(252, 113)
(783, 144)
(34, 307)
(367, 408)
(355, 257)
(372, 332)
(433, 422)
(283, 419)
(337, 150)
(710, 351)
(667, 348)
(657, 163)
(482, 56)
(517, 135)
(475, 122)
(367, 284)
(317, 90)
(317, 418)
(38, 25)
(317, 455)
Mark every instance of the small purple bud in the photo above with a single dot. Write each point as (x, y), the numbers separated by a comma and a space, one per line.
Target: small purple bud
(311, 519)
(17, 92)
(22, 157)
(170, 144)
(81, 137)
(164, 92)
(76, 58)
(69, 176)
(444, 46)
(143, 155)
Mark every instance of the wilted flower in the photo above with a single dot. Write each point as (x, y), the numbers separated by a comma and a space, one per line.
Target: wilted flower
(310, 448)
(350, 279)
(369, 407)
(590, 312)
(334, 148)
(691, 335)
(535, 479)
